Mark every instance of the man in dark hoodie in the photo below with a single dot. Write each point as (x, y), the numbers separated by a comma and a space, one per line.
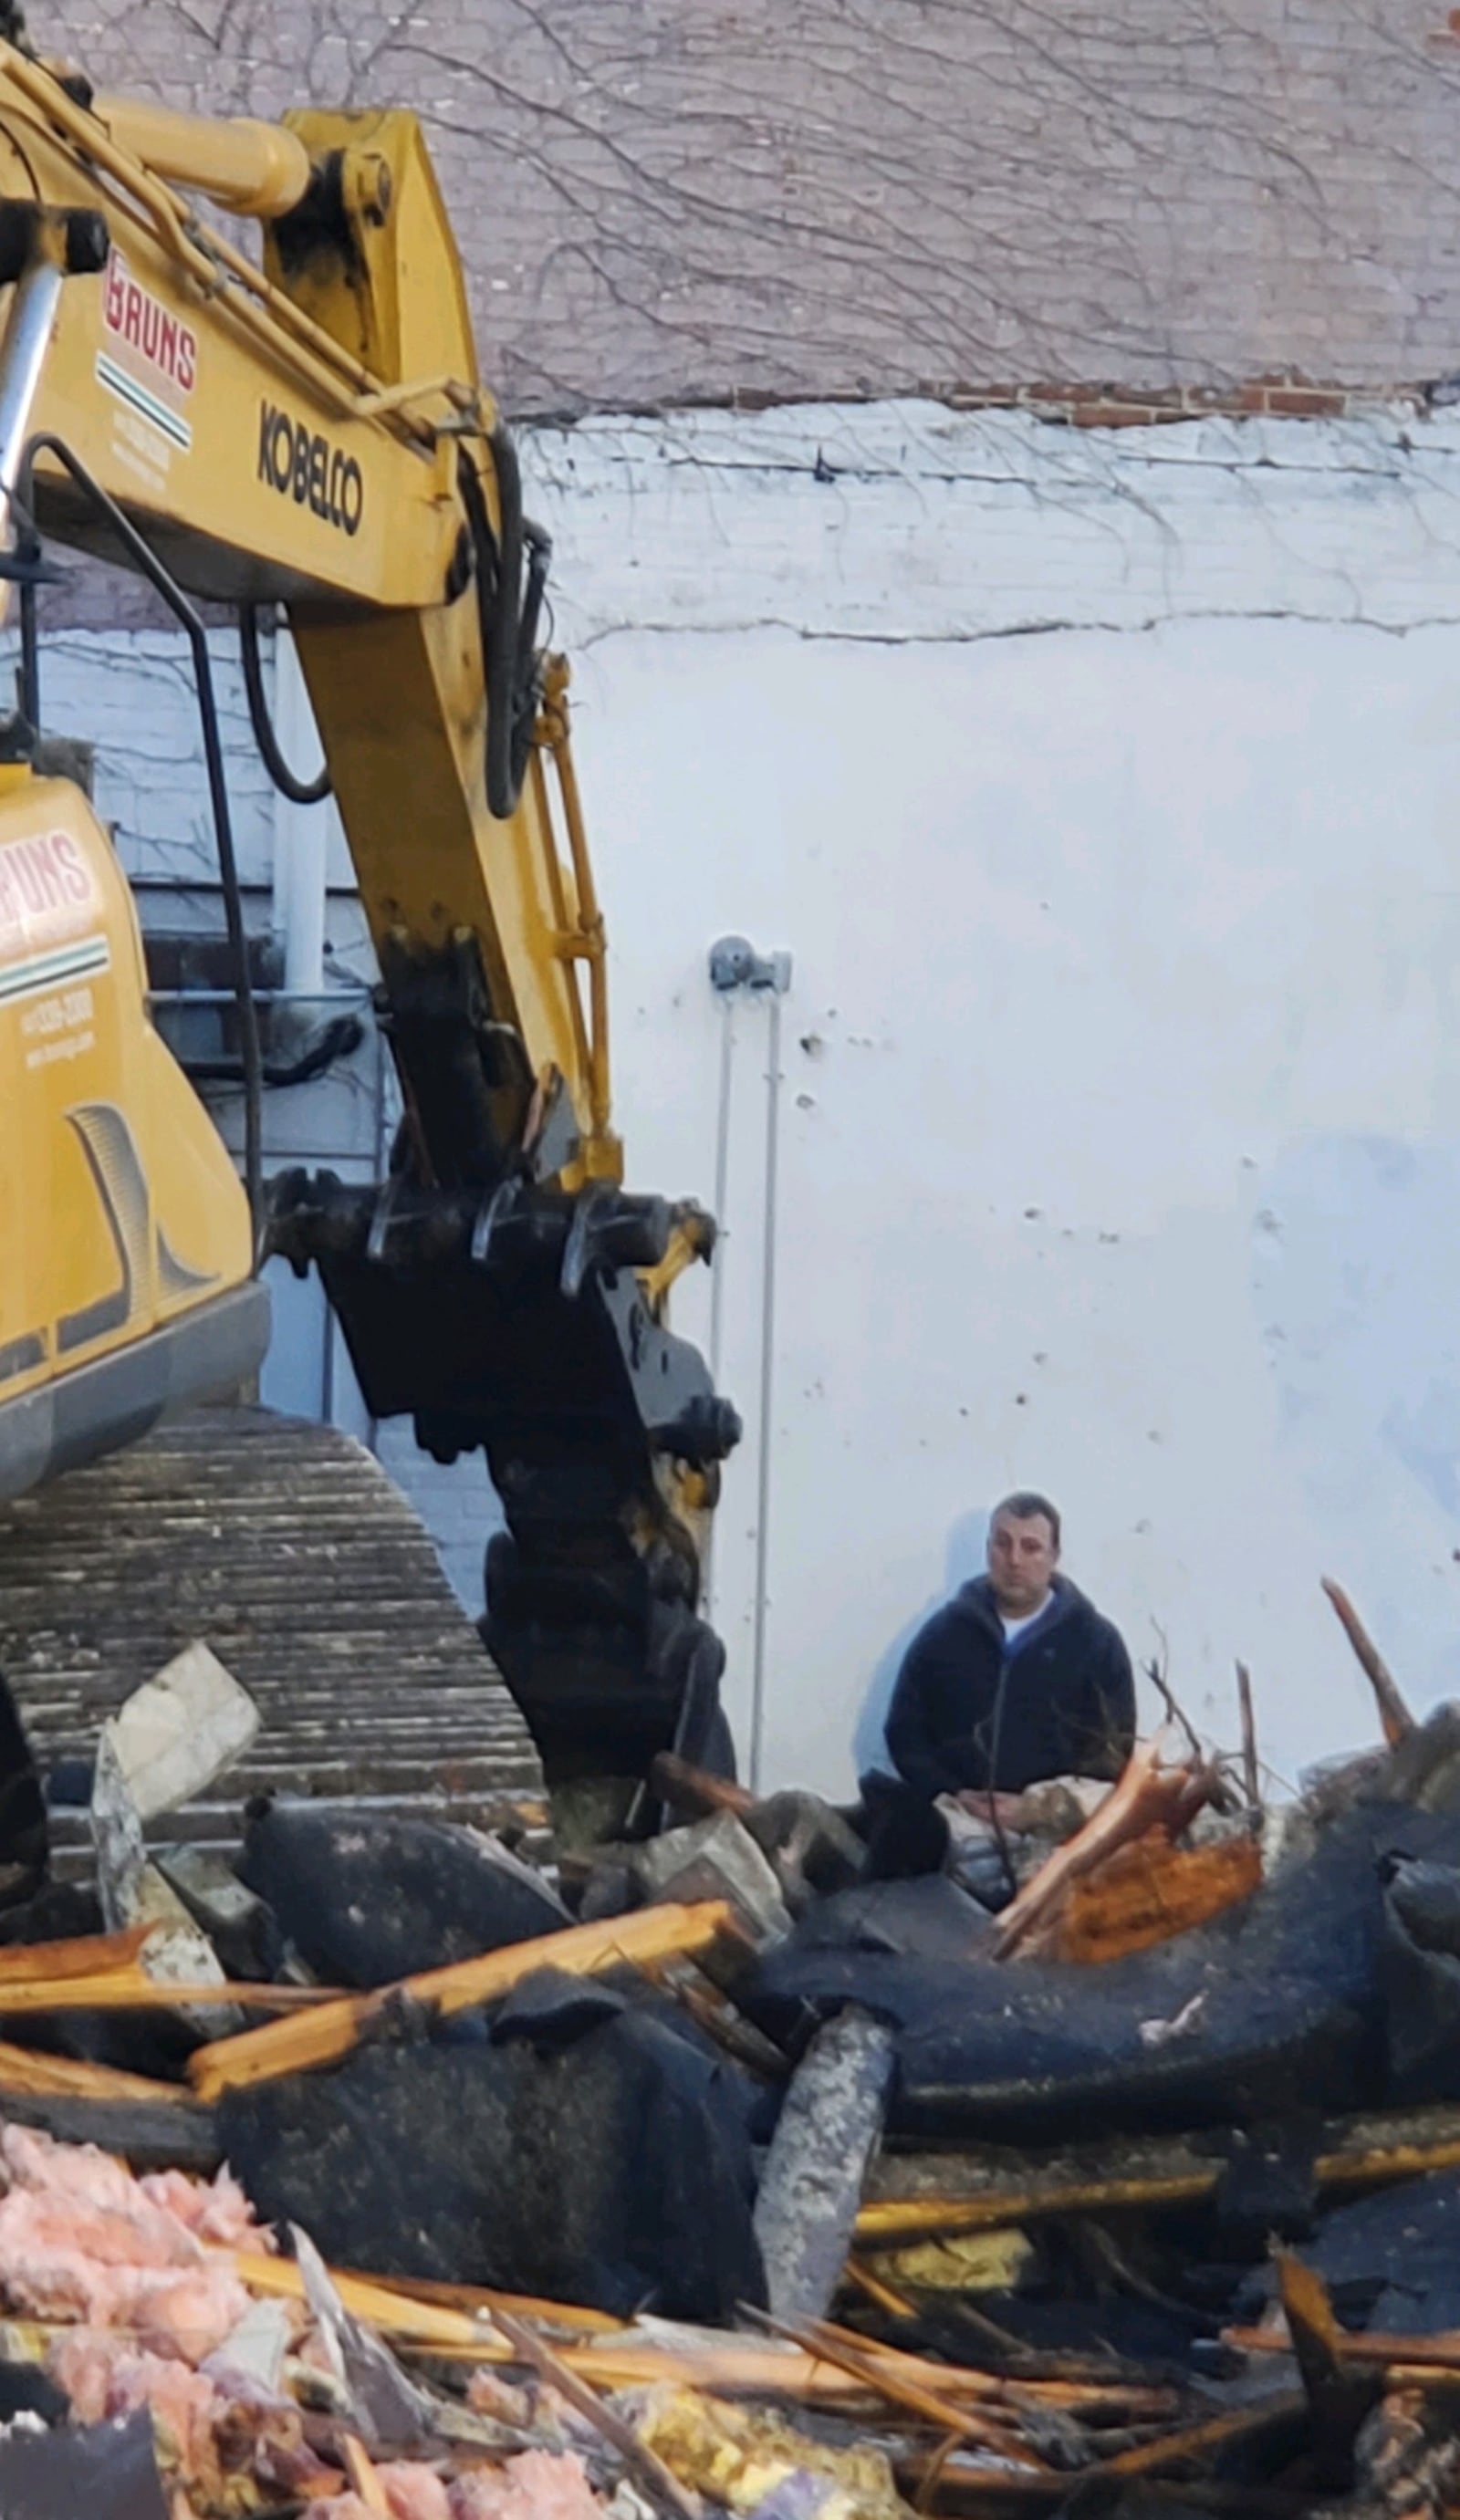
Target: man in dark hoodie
(1017, 1678)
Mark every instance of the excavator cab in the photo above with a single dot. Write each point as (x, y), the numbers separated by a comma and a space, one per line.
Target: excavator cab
(127, 1266)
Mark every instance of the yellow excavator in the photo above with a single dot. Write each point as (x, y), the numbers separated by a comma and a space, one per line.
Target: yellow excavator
(306, 433)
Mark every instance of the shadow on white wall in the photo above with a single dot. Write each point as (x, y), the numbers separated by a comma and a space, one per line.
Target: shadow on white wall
(963, 1558)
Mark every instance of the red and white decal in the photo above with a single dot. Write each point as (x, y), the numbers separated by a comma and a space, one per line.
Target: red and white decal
(48, 892)
(143, 323)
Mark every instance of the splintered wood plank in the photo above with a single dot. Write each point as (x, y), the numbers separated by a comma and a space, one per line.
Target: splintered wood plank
(424, 2322)
(990, 2186)
(79, 1955)
(131, 1990)
(332, 2030)
(476, 2298)
(1150, 1892)
(27, 2070)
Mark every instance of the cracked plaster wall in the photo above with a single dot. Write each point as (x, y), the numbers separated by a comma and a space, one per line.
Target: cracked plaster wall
(1102, 787)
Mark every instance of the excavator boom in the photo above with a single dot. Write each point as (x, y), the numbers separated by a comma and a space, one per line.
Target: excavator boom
(309, 431)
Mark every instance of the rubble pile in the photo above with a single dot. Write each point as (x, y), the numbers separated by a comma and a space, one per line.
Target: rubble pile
(1113, 2168)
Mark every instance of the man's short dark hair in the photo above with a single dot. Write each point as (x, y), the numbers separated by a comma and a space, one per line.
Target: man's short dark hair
(1022, 1504)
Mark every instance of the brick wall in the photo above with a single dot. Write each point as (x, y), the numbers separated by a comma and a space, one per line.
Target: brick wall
(743, 199)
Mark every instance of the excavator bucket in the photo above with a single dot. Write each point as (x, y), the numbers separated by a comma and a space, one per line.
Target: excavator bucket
(519, 1323)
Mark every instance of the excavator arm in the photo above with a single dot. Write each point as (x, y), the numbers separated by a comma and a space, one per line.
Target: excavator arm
(309, 432)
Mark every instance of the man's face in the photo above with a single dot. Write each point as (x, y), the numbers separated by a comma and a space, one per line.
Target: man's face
(1021, 1560)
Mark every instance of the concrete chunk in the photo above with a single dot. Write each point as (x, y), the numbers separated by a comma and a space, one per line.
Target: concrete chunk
(133, 1892)
(181, 1731)
(235, 1920)
(829, 2129)
(716, 1859)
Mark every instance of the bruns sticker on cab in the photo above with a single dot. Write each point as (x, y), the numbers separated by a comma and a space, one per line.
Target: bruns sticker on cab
(49, 902)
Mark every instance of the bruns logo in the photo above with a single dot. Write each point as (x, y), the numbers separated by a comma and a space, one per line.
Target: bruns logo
(46, 887)
(134, 316)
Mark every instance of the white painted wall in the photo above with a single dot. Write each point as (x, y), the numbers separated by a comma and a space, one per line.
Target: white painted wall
(1122, 1136)
(1103, 791)
(1115, 844)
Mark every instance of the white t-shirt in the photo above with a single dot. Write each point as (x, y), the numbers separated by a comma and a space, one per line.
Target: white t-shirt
(1014, 1628)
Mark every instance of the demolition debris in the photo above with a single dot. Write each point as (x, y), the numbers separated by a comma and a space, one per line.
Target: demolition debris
(1113, 2169)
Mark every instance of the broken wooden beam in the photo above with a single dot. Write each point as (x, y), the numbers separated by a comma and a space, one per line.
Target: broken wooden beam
(1152, 1793)
(426, 2323)
(79, 1955)
(1251, 1774)
(1042, 2379)
(714, 2014)
(876, 2290)
(1393, 1714)
(908, 2194)
(131, 1990)
(1339, 2396)
(1204, 2441)
(363, 2477)
(882, 2377)
(1374, 2346)
(478, 2300)
(33, 2071)
(933, 2481)
(728, 2364)
(329, 2033)
(1149, 1892)
(911, 2196)
(466, 2324)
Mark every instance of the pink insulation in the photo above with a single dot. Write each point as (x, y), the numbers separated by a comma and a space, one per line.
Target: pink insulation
(536, 2485)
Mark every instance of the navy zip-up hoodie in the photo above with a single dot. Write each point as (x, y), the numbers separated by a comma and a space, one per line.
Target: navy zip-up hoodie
(1066, 1706)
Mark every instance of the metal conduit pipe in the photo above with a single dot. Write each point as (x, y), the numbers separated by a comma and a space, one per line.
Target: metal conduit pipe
(736, 969)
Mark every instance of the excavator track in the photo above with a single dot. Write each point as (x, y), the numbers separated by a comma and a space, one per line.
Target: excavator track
(283, 1547)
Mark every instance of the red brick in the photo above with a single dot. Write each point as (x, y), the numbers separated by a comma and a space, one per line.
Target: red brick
(1121, 415)
(1307, 402)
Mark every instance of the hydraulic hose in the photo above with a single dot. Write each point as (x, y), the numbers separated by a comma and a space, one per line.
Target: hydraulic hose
(300, 791)
(511, 573)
